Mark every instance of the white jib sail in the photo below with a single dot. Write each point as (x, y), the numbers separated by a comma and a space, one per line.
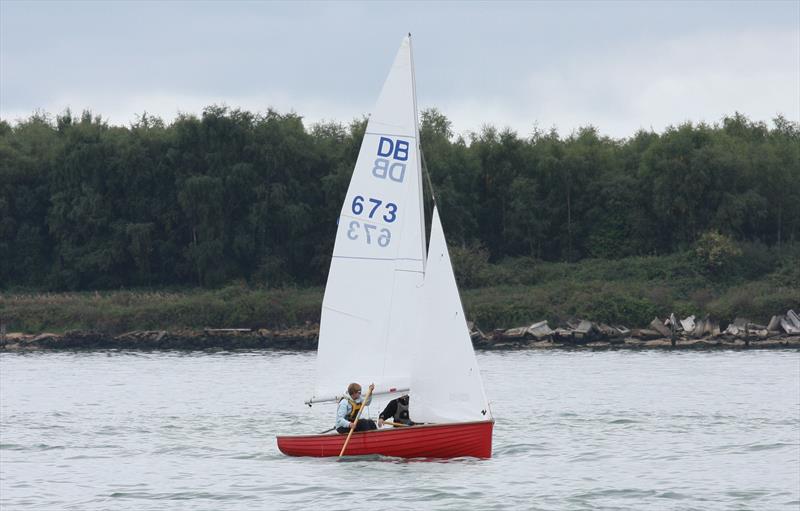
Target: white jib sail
(446, 384)
(378, 258)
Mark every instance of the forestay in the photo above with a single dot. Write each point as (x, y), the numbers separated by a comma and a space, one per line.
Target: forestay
(374, 284)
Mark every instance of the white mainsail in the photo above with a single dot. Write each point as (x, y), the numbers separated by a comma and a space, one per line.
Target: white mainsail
(446, 384)
(377, 267)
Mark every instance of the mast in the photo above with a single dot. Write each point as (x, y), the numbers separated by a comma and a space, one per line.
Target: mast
(419, 153)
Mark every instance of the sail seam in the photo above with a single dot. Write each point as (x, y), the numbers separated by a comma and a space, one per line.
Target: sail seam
(377, 258)
(375, 220)
(345, 313)
(412, 137)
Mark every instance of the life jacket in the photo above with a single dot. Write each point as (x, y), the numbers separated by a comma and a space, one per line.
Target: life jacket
(401, 414)
(354, 408)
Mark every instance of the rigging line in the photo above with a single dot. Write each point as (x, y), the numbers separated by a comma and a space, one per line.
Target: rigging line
(427, 175)
(424, 167)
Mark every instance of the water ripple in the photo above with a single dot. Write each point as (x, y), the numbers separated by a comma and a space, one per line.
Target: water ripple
(130, 431)
(180, 496)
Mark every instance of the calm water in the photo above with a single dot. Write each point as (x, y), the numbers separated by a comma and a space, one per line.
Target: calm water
(711, 430)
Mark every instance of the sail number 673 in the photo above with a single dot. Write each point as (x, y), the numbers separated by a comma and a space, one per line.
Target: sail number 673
(358, 206)
(370, 231)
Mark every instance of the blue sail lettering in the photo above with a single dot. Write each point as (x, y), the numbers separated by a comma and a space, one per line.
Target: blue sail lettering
(401, 150)
(385, 147)
(396, 149)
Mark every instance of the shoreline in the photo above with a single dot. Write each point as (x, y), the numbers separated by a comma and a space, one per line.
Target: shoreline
(305, 339)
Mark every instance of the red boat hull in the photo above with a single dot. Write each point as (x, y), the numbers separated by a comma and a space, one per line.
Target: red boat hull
(427, 441)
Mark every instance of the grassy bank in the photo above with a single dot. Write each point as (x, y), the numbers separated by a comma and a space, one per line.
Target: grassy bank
(117, 312)
(755, 283)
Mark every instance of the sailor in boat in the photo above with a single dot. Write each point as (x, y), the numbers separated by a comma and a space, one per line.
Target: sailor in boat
(348, 409)
(397, 410)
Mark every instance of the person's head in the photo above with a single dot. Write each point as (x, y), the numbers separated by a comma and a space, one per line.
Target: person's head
(354, 389)
(403, 399)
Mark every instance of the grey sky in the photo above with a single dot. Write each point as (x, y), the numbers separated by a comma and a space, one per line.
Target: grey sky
(620, 66)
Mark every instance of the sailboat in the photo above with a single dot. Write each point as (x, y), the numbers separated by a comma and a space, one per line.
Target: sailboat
(391, 313)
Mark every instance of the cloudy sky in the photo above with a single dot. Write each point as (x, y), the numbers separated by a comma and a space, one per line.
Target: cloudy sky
(619, 66)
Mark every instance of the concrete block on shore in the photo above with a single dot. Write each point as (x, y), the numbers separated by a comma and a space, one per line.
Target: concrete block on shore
(660, 327)
(540, 330)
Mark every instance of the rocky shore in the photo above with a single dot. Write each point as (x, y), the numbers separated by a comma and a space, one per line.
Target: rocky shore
(206, 339)
(690, 333)
(782, 331)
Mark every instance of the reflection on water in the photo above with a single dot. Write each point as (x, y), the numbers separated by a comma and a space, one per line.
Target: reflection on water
(654, 430)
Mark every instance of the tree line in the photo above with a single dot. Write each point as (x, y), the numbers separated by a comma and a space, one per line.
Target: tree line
(233, 195)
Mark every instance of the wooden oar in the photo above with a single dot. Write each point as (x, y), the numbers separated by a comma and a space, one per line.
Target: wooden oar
(355, 423)
(396, 424)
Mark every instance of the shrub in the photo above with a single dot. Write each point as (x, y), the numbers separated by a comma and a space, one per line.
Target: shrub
(716, 252)
(469, 264)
